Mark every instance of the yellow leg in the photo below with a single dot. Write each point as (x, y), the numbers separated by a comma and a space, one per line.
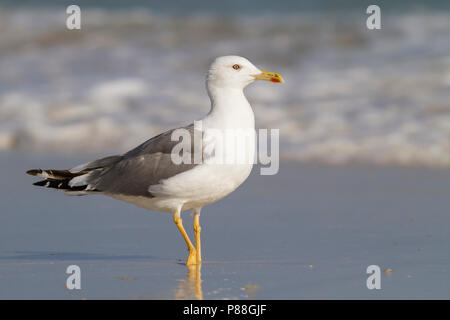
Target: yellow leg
(197, 230)
(192, 252)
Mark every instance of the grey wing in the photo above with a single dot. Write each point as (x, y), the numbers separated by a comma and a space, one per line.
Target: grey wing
(146, 165)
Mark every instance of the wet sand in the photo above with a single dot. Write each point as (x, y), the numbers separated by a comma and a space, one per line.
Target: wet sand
(308, 232)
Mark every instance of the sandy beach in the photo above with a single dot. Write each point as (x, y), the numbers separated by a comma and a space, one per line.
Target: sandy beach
(308, 232)
(364, 148)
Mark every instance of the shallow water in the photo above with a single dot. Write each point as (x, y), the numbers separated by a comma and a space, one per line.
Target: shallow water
(307, 232)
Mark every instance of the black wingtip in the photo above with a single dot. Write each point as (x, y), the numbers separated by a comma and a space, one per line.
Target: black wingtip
(34, 172)
(61, 185)
(42, 183)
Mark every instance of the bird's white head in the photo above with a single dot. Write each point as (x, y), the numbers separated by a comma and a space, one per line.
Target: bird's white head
(236, 72)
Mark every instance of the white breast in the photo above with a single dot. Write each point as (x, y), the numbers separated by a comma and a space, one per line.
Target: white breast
(222, 172)
(230, 114)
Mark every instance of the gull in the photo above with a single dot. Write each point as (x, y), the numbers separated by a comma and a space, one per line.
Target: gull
(148, 176)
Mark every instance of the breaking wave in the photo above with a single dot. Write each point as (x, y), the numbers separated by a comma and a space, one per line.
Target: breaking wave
(351, 94)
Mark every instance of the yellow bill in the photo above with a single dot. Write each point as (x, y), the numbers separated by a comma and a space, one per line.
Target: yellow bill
(269, 76)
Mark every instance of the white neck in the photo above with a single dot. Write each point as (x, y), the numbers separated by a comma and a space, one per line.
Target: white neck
(229, 109)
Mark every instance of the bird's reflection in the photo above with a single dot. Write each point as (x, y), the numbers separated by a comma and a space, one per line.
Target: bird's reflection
(190, 288)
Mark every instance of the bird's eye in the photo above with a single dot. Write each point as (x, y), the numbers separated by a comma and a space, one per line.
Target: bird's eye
(236, 67)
